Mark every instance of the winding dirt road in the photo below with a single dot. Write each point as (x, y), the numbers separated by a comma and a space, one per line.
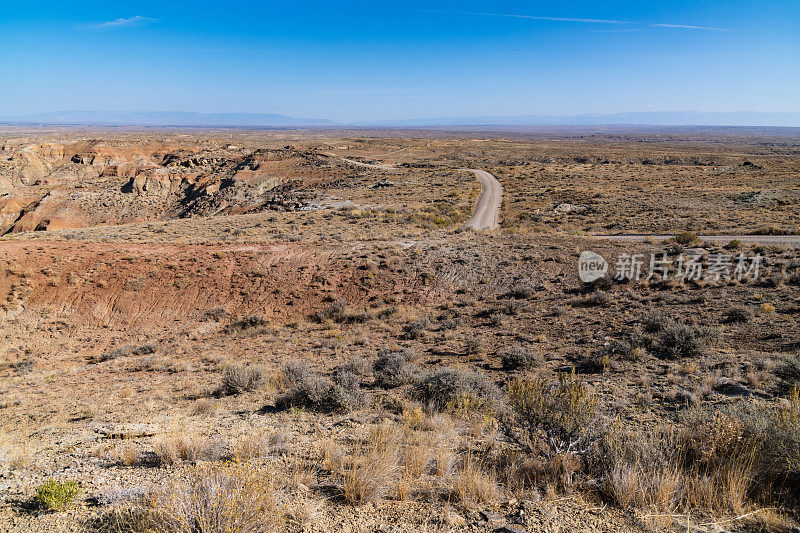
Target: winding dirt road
(487, 210)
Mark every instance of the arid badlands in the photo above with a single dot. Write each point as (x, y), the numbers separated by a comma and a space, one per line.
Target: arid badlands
(399, 330)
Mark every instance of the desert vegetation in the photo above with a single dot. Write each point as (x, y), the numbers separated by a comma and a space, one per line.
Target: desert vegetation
(316, 346)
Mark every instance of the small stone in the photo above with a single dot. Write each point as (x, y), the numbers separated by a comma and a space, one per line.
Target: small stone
(510, 528)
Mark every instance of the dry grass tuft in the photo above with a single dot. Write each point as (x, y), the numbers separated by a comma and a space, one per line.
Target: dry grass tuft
(473, 483)
(369, 472)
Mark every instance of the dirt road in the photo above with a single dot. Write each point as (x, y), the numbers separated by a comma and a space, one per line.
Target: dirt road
(791, 240)
(368, 165)
(487, 210)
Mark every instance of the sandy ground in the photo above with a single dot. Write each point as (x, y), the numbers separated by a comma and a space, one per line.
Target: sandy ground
(793, 240)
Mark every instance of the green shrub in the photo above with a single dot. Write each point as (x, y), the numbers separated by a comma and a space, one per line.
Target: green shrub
(57, 495)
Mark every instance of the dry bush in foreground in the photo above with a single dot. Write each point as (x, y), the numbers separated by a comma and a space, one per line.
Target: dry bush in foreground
(217, 498)
(729, 460)
(392, 369)
(401, 463)
(473, 483)
(520, 357)
(663, 472)
(448, 385)
(238, 378)
(312, 391)
(564, 413)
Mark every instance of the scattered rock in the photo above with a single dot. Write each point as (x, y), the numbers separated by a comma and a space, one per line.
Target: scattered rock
(510, 528)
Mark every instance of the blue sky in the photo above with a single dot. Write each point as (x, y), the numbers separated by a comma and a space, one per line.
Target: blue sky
(358, 61)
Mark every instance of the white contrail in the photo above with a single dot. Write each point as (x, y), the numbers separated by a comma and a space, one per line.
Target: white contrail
(579, 20)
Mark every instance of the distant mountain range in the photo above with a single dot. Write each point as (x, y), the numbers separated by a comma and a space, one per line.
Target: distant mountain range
(163, 118)
(187, 119)
(649, 118)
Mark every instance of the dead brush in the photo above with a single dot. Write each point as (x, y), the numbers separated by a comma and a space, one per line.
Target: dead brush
(217, 497)
(371, 469)
(417, 454)
(443, 462)
(127, 455)
(634, 486)
(554, 474)
(565, 413)
(237, 379)
(177, 446)
(708, 467)
(413, 416)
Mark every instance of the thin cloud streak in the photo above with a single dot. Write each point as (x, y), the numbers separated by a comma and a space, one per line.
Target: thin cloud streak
(131, 21)
(687, 27)
(579, 20)
(511, 15)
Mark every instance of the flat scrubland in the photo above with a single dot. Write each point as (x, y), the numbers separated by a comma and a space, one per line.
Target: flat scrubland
(240, 331)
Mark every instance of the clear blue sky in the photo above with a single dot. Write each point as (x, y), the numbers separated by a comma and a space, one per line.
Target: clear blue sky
(351, 61)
